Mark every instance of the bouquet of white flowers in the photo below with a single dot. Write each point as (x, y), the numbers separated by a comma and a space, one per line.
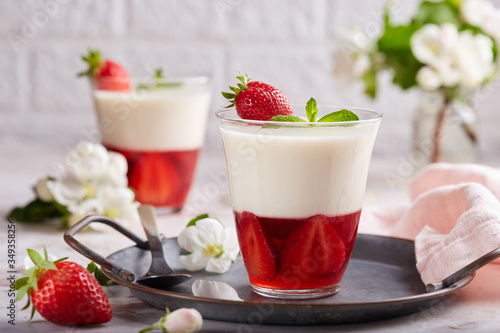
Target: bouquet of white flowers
(450, 47)
(90, 181)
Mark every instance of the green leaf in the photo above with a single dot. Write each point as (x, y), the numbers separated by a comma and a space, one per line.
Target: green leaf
(200, 217)
(311, 110)
(21, 292)
(437, 13)
(59, 260)
(91, 267)
(342, 115)
(47, 264)
(35, 211)
(159, 73)
(32, 313)
(405, 68)
(28, 303)
(99, 275)
(396, 38)
(228, 95)
(370, 81)
(151, 86)
(288, 118)
(93, 60)
(35, 257)
(21, 282)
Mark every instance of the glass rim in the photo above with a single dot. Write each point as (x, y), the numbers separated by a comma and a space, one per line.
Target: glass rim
(221, 114)
(190, 79)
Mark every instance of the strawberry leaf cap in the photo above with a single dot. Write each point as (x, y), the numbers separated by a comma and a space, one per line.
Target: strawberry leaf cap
(25, 284)
(240, 86)
(94, 61)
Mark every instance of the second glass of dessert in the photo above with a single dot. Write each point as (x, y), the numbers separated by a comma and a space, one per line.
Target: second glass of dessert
(159, 126)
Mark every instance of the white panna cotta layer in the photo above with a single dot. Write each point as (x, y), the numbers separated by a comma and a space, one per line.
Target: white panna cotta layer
(298, 172)
(161, 119)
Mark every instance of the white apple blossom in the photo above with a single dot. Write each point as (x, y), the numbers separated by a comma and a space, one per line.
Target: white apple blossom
(211, 246)
(452, 58)
(448, 72)
(91, 162)
(42, 191)
(182, 320)
(482, 14)
(432, 44)
(116, 203)
(68, 189)
(428, 78)
(474, 58)
(92, 181)
(352, 58)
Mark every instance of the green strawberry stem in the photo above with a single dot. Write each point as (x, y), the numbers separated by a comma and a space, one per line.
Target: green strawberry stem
(25, 284)
(242, 85)
(94, 61)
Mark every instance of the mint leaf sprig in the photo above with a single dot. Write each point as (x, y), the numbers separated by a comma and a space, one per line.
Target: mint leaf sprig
(312, 114)
(157, 82)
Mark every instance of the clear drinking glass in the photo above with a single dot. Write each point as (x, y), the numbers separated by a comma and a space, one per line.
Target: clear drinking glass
(297, 192)
(159, 126)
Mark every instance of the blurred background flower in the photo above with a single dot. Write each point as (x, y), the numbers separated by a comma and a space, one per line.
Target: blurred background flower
(448, 48)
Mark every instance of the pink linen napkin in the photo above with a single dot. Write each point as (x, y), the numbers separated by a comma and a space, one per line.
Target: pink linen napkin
(454, 217)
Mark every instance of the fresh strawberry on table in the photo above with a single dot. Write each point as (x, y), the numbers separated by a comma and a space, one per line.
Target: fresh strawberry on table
(313, 248)
(63, 292)
(108, 74)
(256, 100)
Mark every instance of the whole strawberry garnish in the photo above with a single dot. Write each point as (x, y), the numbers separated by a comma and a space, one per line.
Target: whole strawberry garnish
(108, 74)
(257, 100)
(63, 292)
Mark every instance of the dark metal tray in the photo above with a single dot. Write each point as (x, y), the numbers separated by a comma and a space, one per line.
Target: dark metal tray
(381, 282)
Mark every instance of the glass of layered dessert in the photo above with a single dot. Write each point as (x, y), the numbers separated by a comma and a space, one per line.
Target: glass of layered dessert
(297, 190)
(159, 126)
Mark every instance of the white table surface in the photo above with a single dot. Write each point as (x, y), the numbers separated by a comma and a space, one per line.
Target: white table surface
(475, 308)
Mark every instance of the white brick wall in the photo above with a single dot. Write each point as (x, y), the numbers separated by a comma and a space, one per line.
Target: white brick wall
(287, 43)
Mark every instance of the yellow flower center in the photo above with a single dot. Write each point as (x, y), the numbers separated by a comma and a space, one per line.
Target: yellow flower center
(112, 213)
(213, 250)
(89, 190)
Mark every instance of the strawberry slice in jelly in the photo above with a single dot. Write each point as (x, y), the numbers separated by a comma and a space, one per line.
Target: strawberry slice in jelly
(155, 179)
(314, 248)
(258, 251)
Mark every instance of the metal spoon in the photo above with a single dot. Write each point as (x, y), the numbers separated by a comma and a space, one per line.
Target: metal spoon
(160, 275)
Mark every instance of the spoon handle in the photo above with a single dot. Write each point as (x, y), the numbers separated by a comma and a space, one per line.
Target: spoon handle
(158, 265)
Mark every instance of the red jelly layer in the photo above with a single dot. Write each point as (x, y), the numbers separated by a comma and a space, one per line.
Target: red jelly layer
(160, 178)
(287, 254)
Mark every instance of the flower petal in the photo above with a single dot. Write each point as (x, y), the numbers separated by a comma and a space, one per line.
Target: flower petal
(214, 289)
(189, 240)
(231, 246)
(194, 261)
(219, 265)
(210, 230)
